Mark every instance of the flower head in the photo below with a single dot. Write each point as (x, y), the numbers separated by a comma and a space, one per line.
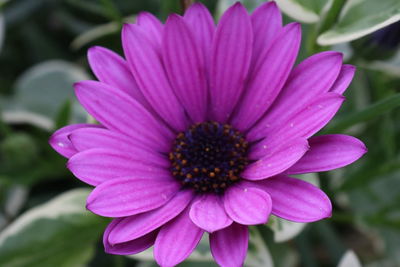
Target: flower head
(201, 127)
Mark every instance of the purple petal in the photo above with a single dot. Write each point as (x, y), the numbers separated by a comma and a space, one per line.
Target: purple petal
(176, 240)
(306, 123)
(308, 80)
(344, 79)
(127, 248)
(88, 138)
(60, 142)
(133, 227)
(329, 152)
(151, 26)
(277, 161)
(184, 63)
(229, 246)
(119, 112)
(230, 60)
(267, 23)
(268, 77)
(148, 70)
(296, 200)
(98, 165)
(208, 213)
(112, 69)
(247, 205)
(126, 196)
(201, 24)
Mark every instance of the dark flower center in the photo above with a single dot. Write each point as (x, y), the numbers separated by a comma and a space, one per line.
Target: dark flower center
(209, 157)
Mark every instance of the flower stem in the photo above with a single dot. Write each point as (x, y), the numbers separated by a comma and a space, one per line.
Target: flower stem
(326, 22)
(185, 4)
(112, 11)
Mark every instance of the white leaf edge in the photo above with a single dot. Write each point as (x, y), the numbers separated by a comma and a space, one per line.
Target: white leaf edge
(66, 203)
(97, 32)
(391, 66)
(262, 257)
(285, 230)
(20, 117)
(349, 259)
(15, 114)
(296, 11)
(326, 38)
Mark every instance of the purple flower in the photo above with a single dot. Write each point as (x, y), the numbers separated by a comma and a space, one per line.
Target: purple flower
(200, 129)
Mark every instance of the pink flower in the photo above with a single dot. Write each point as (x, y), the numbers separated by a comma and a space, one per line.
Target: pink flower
(200, 129)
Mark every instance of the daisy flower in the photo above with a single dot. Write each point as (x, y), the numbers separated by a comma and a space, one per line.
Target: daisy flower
(200, 128)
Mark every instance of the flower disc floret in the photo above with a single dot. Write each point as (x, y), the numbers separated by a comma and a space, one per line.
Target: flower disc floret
(209, 157)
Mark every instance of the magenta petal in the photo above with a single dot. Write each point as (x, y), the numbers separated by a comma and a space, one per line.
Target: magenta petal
(208, 213)
(296, 200)
(60, 142)
(329, 152)
(277, 161)
(306, 123)
(146, 65)
(344, 79)
(184, 63)
(176, 240)
(311, 78)
(151, 26)
(112, 69)
(230, 60)
(126, 196)
(127, 248)
(268, 77)
(119, 112)
(201, 24)
(88, 138)
(133, 227)
(229, 246)
(98, 165)
(267, 23)
(247, 205)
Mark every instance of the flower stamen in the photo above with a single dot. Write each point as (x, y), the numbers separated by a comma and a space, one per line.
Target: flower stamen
(209, 157)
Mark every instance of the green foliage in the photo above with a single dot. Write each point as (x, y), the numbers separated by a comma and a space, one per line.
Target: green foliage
(360, 18)
(58, 233)
(43, 221)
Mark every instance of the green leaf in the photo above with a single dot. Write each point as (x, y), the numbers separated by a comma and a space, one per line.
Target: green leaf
(64, 115)
(58, 233)
(284, 230)
(390, 67)
(223, 5)
(372, 111)
(99, 31)
(17, 151)
(2, 30)
(307, 11)
(41, 91)
(359, 18)
(258, 254)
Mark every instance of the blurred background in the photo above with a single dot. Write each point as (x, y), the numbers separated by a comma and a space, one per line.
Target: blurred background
(43, 221)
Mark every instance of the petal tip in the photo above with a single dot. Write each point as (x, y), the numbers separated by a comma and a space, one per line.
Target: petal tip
(173, 18)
